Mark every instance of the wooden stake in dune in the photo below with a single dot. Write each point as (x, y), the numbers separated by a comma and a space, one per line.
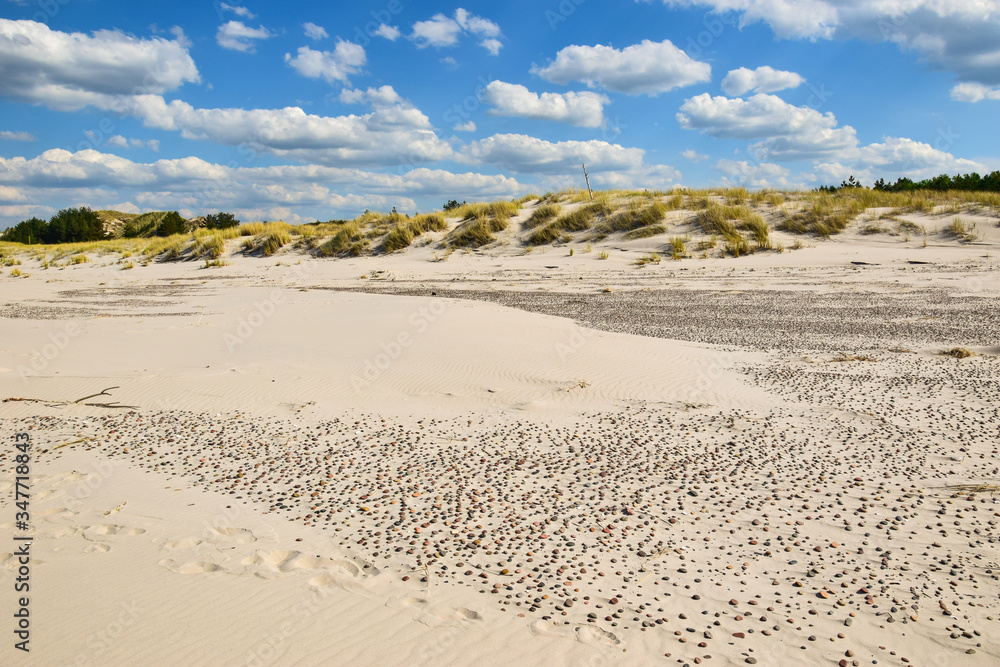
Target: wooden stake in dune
(587, 177)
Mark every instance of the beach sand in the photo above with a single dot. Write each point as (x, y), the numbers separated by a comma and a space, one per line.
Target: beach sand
(510, 458)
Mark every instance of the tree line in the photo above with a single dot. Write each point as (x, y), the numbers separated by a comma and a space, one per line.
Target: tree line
(969, 182)
(80, 225)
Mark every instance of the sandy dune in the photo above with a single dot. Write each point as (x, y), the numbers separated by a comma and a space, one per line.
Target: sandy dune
(512, 458)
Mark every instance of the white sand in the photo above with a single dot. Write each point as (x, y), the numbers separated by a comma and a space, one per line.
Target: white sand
(136, 562)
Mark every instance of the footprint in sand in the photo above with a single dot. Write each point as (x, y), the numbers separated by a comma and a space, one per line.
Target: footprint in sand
(585, 634)
(98, 548)
(271, 564)
(183, 543)
(104, 530)
(230, 536)
(423, 611)
(56, 513)
(191, 567)
(60, 532)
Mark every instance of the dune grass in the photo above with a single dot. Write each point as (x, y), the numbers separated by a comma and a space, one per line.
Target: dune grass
(678, 249)
(541, 215)
(644, 232)
(403, 234)
(578, 220)
(272, 241)
(477, 232)
(167, 247)
(634, 217)
(823, 216)
(500, 210)
(961, 230)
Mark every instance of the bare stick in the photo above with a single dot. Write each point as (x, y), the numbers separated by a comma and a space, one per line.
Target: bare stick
(104, 392)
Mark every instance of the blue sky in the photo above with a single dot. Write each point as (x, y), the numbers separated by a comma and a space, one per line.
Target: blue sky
(305, 111)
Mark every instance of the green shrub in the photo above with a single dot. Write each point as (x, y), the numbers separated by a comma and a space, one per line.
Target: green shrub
(171, 223)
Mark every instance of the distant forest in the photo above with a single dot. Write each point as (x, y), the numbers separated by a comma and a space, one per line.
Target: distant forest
(80, 225)
(969, 182)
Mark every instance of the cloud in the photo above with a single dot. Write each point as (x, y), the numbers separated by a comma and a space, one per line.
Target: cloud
(314, 31)
(236, 36)
(791, 133)
(899, 154)
(492, 45)
(394, 132)
(441, 31)
(290, 192)
(761, 175)
(466, 127)
(584, 109)
(346, 58)
(646, 68)
(16, 136)
(761, 80)
(239, 11)
(476, 24)
(69, 71)
(693, 155)
(960, 36)
(389, 32)
(118, 141)
(974, 92)
(438, 31)
(521, 153)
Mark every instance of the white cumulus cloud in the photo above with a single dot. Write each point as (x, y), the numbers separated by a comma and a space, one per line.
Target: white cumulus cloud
(389, 32)
(962, 36)
(347, 58)
(522, 153)
(974, 92)
(761, 80)
(790, 132)
(236, 36)
(645, 68)
(313, 31)
(584, 109)
(443, 31)
(238, 10)
(759, 175)
(16, 136)
(68, 71)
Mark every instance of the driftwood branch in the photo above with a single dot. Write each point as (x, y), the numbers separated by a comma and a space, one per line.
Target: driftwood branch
(53, 403)
(103, 392)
